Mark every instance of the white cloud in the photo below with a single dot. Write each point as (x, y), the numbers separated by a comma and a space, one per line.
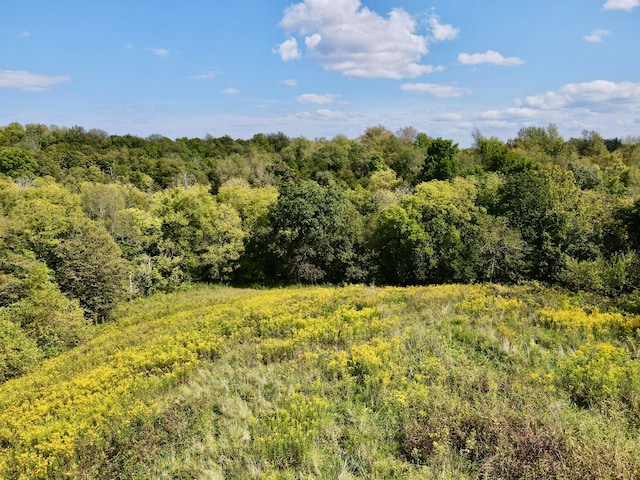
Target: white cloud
(205, 76)
(322, 114)
(288, 50)
(326, 114)
(593, 95)
(231, 91)
(312, 41)
(442, 32)
(449, 117)
(494, 58)
(627, 5)
(597, 36)
(440, 91)
(344, 36)
(29, 82)
(25, 34)
(160, 52)
(510, 114)
(290, 82)
(316, 98)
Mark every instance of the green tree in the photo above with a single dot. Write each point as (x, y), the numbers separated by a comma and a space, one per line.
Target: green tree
(55, 322)
(88, 266)
(15, 161)
(553, 216)
(403, 249)
(546, 140)
(200, 239)
(312, 235)
(102, 202)
(47, 220)
(441, 162)
(448, 213)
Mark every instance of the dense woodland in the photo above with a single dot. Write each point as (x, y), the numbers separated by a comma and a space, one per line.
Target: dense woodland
(91, 219)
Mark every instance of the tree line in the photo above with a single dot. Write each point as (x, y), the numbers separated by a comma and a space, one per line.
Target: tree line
(90, 219)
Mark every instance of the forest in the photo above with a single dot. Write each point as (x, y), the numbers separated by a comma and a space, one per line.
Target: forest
(390, 306)
(91, 219)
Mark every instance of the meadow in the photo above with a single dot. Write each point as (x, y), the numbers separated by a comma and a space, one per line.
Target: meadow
(450, 381)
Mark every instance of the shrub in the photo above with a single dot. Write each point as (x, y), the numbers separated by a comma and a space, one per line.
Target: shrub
(600, 372)
(18, 352)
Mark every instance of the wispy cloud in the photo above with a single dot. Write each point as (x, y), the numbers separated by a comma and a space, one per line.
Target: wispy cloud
(344, 36)
(30, 82)
(440, 91)
(231, 91)
(626, 5)
(490, 57)
(290, 82)
(160, 52)
(205, 76)
(597, 36)
(316, 98)
(25, 34)
(322, 114)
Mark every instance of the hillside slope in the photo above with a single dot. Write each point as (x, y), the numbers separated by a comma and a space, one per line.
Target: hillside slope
(353, 382)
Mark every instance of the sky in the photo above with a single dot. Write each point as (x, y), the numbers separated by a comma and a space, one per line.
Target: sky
(321, 68)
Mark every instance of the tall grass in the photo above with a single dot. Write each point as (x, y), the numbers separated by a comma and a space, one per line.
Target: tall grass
(353, 382)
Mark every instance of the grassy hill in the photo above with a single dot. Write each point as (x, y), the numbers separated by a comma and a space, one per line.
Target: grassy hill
(354, 382)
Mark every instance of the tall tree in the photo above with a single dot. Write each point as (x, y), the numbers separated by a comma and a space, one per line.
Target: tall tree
(441, 162)
(200, 239)
(312, 233)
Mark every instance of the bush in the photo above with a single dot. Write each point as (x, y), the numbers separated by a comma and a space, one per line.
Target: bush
(52, 320)
(605, 276)
(18, 352)
(601, 372)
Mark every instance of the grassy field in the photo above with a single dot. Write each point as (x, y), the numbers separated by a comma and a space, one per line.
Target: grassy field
(336, 383)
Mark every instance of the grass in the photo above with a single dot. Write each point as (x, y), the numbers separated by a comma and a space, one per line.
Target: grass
(352, 382)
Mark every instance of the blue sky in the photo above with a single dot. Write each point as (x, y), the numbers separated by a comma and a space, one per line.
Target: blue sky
(319, 68)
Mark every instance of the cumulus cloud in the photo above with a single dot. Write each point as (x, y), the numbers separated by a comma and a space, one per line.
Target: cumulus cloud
(231, 91)
(288, 50)
(160, 52)
(594, 95)
(626, 5)
(312, 41)
(344, 36)
(440, 91)
(491, 57)
(29, 82)
(442, 32)
(597, 36)
(317, 99)
(290, 82)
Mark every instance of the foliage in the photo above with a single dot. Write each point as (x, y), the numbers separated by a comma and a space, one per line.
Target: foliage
(102, 218)
(200, 239)
(441, 162)
(88, 265)
(18, 352)
(46, 315)
(311, 236)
